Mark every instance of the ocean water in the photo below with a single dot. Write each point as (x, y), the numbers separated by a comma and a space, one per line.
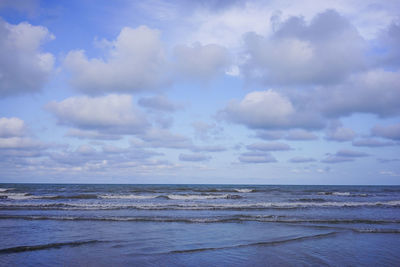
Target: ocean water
(199, 225)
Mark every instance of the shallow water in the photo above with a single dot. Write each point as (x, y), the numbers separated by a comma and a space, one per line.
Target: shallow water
(199, 225)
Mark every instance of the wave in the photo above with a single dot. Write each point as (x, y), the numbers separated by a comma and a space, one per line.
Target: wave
(80, 196)
(266, 243)
(244, 190)
(6, 189)
(197, 206)
(46, 246)
(378, 231)
(343, 194)
(310, 200)
(216, 219)
(16, 196)
(200, 197)
(129, 196)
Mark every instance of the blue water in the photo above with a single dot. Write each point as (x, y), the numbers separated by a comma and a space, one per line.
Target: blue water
(199, 225)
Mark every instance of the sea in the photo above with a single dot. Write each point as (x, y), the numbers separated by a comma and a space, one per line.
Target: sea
(199, 225)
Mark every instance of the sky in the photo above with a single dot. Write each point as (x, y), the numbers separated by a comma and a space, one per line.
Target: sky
(209, 91)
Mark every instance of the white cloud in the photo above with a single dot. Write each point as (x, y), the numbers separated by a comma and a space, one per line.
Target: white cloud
(350, 153)
(12, 127)
(336, 132)
(372, 143)
(135, 61)
(23, 67)
(305, 53)
(200, 62)
(162, 138)
(19, 143)
(111, 114)
(159, 102)
(300, 135)
(390, 131)
(272, 146)
(375, 91)
(269, 110)
(193, 157)
(256, 157)
(301, 160)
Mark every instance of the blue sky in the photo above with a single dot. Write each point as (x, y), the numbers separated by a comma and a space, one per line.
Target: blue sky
(263, 92)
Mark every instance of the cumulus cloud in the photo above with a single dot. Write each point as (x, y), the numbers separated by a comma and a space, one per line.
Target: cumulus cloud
(270, 110)
(193, 157)
(389, 43)
(336, 159)
(336, 132)
(256, 157)
(390, 131)
(111, 114)
(270, 134)
(160, 103)
(300, 135)
(351, 154)
(369, 142)
(301, 160)
(305, 53)
(272, 146)
(24, 68)
(201, 62)
(375, 91)
(135, 61)
(344, 156)
(162, 138)
(12, 127)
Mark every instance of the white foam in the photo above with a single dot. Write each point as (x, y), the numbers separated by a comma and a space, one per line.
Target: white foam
(195, 197)
(17, 196)
(244, 190)
(131, 196)
(5, 189)
(341, 193)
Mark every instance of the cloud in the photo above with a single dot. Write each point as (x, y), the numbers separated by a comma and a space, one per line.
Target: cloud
(91, 134)
(193, 157)
(30, 7)
(111, 114)
(256, 157)
(23, 67)
(300, 135)
(270, 134)
(388, 43)
(372, 143)
(375, 91)
(160, 103)
(305, 53)
(134, 62)
(301, 160)
(19, 143)
(390, 131)
(351, 154)
(387, 160)
(336, 159)
(162, 138)
(201, 62)
(272, 146)
(209, 148)
(344, 156)
(269, 110)
(206, 131)
(12, 127)
(336, 132)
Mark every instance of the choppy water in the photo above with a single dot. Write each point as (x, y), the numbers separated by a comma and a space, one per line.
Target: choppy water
(199, 225)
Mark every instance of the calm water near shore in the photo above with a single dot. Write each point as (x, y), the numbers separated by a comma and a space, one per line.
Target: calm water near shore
(199, 225)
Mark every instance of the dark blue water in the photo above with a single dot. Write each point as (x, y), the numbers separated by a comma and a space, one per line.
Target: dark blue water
(199, 225)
